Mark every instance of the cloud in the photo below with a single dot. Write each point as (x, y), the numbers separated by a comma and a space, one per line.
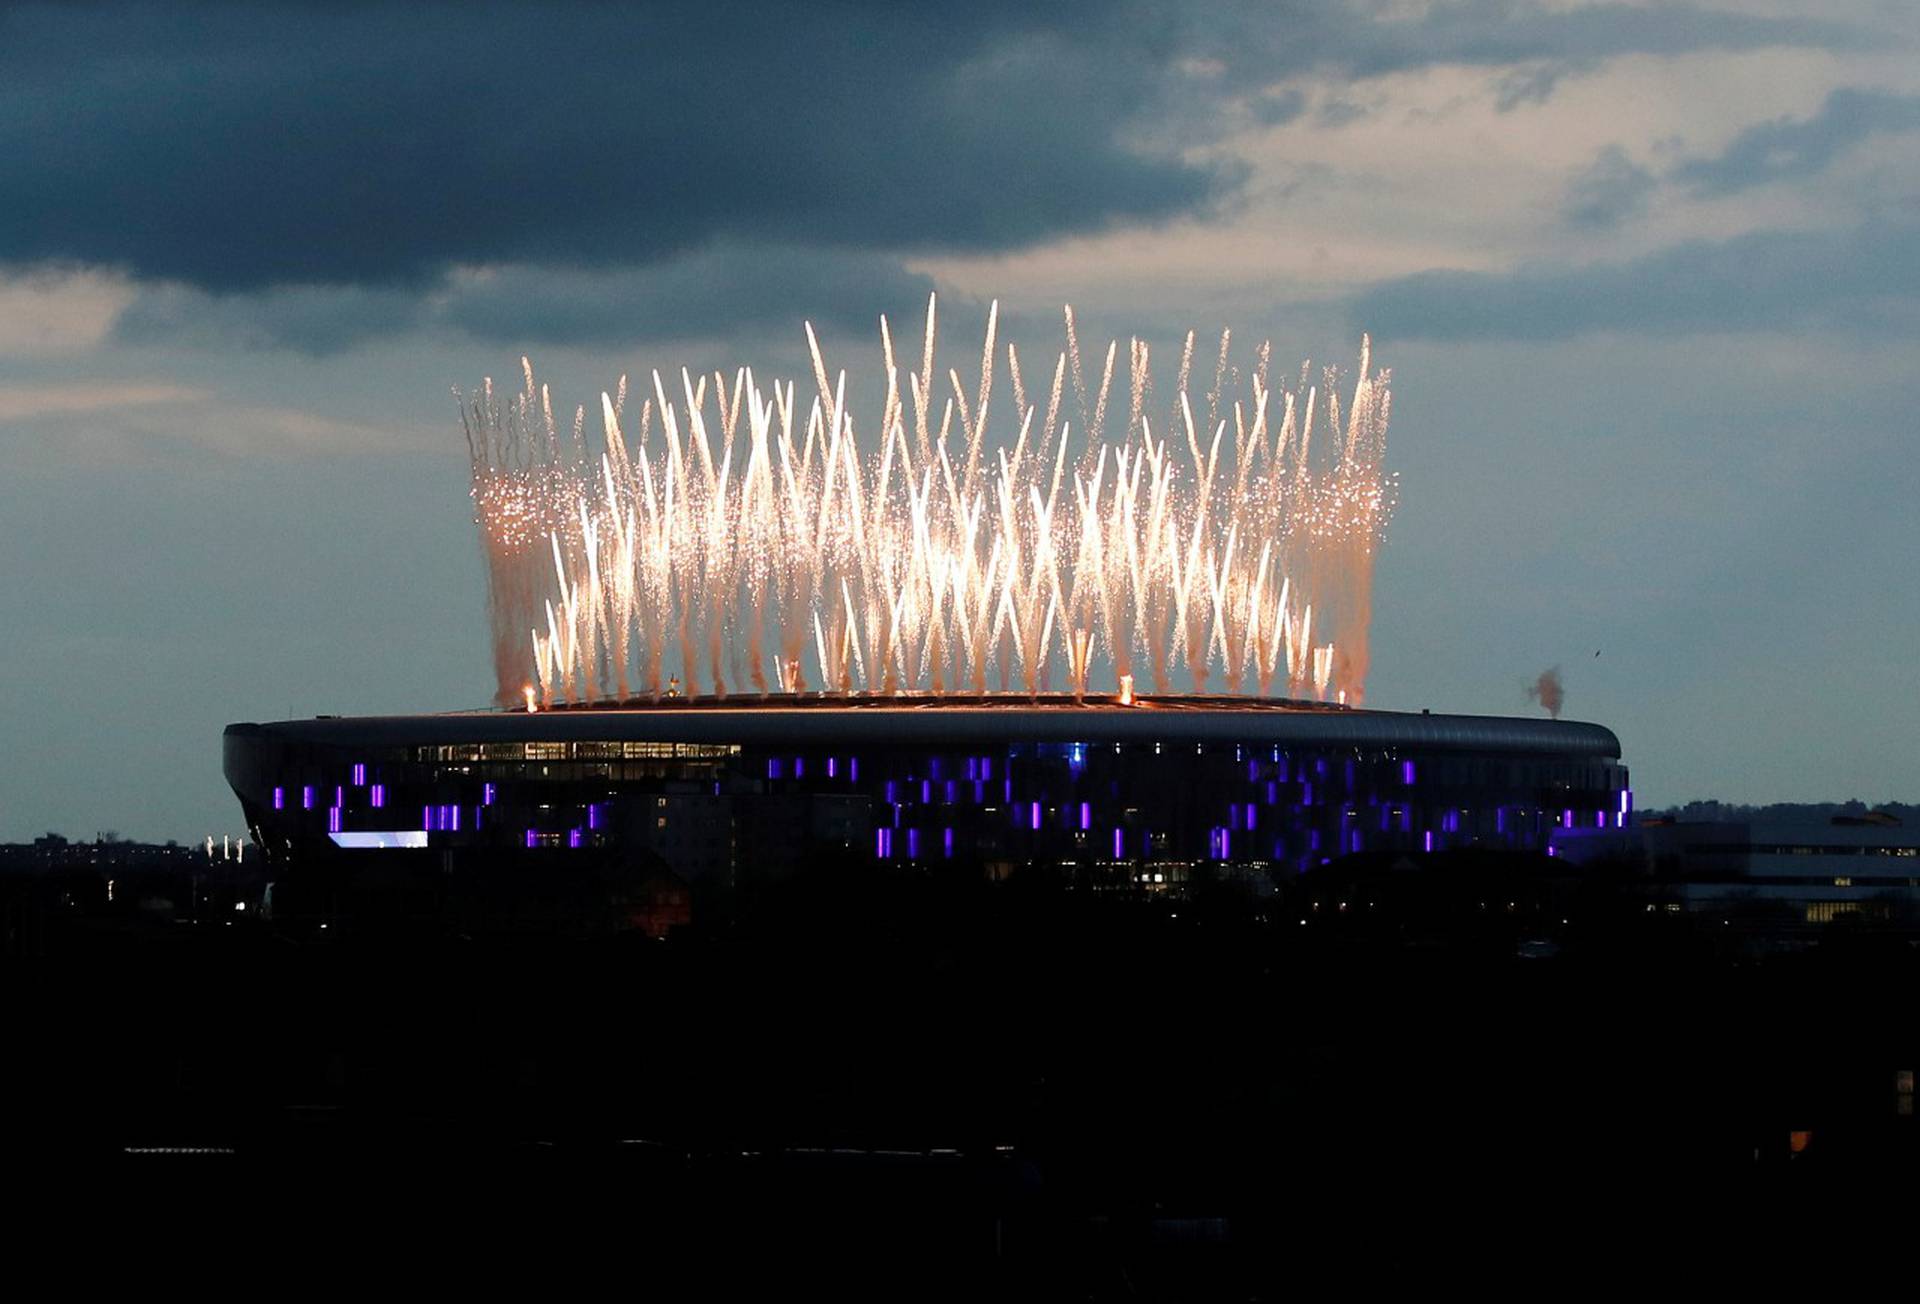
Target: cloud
(313, 319)
(135, 423)
(26, 402)
(1787, 148)
(721, 293)
(234, 148)
(1608, 191)
(1535, 83)
(189, 146)
(714, 293)
(49, 311)
(1843, 281)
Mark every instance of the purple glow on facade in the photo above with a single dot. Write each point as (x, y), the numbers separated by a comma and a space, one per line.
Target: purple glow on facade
(593, 817)
(486, 794)
(533, 838)
(1036, 814)
(893, 793)
(853, 769)
(883, 843)
(1119, 844)
(359, 775)
(773, 767)
(333, 819)
(1429, 839)
(799, 767)
(306, 797)
(378, 795)
(946, 841)
(1406, 773)
(573, 837)
(1086, 815)
(913, 844)
(1566, 819)
(926, 792)
(279, 798)
(833, 768)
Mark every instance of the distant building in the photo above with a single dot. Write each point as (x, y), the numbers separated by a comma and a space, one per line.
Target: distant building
(1864, 867)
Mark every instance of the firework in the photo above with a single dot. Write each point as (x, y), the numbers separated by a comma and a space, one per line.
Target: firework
(725, 540)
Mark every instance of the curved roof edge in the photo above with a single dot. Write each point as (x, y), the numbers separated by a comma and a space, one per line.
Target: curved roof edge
(864, 724)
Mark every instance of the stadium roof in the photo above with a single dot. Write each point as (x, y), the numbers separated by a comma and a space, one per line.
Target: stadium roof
(877, 722)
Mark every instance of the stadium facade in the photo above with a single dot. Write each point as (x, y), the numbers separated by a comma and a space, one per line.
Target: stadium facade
(1139, 794)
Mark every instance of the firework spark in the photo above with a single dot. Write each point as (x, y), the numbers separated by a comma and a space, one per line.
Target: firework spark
(724, 540)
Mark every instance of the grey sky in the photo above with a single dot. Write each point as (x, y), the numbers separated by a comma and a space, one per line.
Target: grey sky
(1644, 273)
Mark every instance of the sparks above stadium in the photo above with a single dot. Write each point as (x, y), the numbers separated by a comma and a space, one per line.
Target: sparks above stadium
(803, 554)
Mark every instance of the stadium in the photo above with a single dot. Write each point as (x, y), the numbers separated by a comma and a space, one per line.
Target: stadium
(1121, 794)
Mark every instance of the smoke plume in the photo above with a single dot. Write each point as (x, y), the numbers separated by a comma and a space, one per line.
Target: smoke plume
(1548, 691)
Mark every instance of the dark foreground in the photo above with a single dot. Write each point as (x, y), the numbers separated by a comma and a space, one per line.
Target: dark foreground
(964, 1093)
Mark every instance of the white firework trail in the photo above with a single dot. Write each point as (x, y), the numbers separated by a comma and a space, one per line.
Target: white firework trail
(797, 553)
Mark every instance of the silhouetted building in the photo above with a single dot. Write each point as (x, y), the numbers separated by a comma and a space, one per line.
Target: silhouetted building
(1862, 867)
(1117, 797)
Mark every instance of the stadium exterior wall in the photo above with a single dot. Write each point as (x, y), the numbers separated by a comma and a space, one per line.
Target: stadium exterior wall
(1128, 795)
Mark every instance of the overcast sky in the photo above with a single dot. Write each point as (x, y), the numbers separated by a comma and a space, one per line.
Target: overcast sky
(1647, 275)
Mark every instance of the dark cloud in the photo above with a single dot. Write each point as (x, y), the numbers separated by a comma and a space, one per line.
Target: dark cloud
(1541, 42)
(715, 294)
(1608, 191)
(1788, 148)
(311, 319)
(1847, 281)
(232, 147)
(720, 293)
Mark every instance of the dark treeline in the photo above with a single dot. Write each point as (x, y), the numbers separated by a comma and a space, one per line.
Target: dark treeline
(1784, 812)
